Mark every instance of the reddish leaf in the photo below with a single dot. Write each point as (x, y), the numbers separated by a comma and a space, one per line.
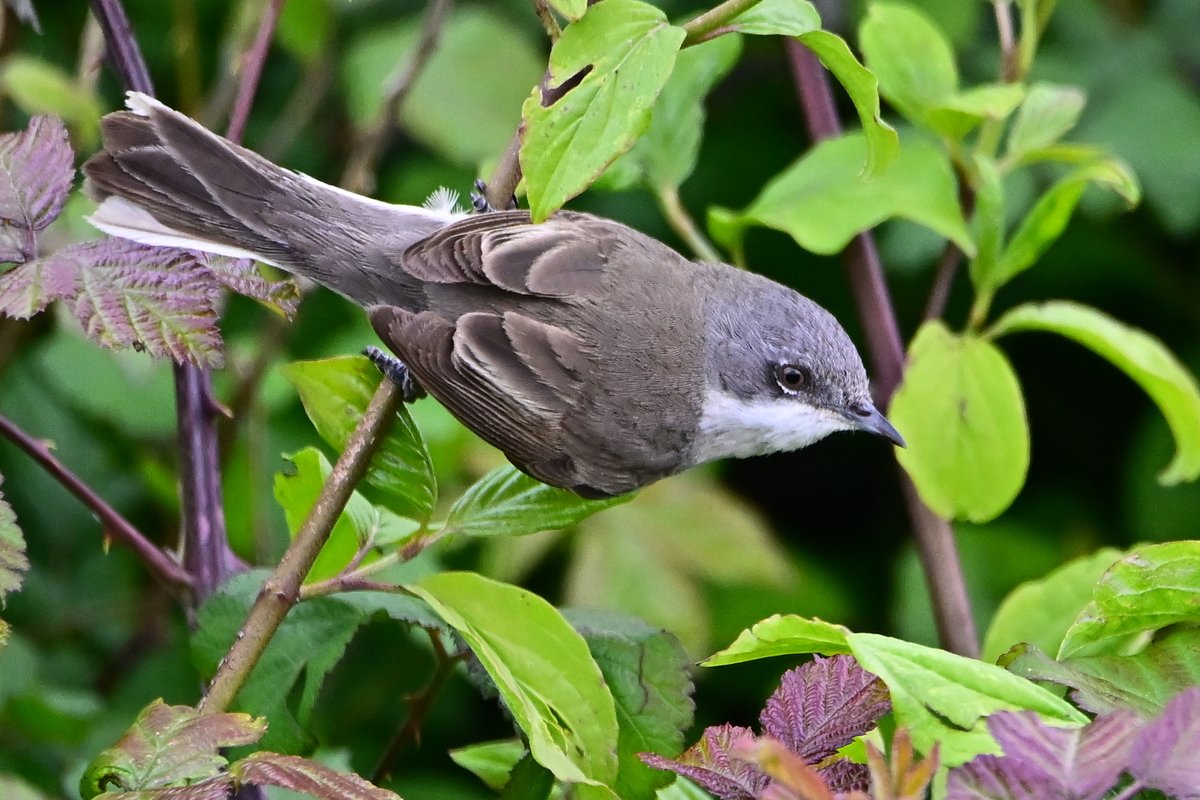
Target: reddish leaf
(900, 776)
(843, 775)
(27, 289)
(242, 276)
(36, 170)
(996, 778)
(821, 706)
(217, 788)
(301, 775)
(1165, 756)
(710, 764)
(791, 777)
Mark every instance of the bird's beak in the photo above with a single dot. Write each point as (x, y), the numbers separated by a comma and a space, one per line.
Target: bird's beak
(867, 418)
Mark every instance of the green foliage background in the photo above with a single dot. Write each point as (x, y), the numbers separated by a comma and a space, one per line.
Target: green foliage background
(821, 532)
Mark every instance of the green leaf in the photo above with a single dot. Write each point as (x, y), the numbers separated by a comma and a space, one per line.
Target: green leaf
(571, 9)
(1048, 218)
(783, 635)
(13, 561)
(305, 775)
(910, 57)
(169, 746)
(1047, 114)
(648, 673)
(360, 523)
(507, 502)
(961, 411)
(335, 393)
(467, 122)
(1143, 682)
(1154, 586)
(306, 647)
(943, 698)
(666, 153)
(987, 222)
(491, 762)
(823, 200)
(1136, 353)
(1040, 612)
(627, 49)
(778, 18)
(541, 667)
(883, 144)
(37, 86)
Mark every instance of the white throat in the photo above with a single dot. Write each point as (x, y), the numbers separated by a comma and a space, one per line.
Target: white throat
(732, 427)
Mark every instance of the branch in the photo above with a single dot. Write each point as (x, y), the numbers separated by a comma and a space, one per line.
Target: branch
(934, 536)
(282, 590)
(252, 67)
(164, 568)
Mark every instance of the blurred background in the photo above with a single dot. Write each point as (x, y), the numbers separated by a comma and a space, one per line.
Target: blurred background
(821, 532)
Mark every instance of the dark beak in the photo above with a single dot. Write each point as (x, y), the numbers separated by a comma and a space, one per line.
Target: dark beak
(867, 418)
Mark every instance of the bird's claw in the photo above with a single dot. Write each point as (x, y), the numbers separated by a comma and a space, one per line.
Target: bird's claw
(397, 372)
(480, 202)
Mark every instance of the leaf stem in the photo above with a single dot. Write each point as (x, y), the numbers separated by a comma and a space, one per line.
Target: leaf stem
(934, 536)
(699, 28)
(1010, 64)
(542, 9)
(359, 175)
(683, 224)
(164, 568)
(282, 590)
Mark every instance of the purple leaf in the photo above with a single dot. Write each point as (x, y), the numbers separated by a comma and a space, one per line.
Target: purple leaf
(844, 775)
(309, 777)
(242, 276)
(710, 764)
(36, 170)
(161, 300)
(27, 289)
(821, 706)
(1078, 762)
(1166, 755)
(996, 778)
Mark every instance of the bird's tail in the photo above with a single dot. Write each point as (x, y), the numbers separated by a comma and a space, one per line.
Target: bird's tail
(163, 179)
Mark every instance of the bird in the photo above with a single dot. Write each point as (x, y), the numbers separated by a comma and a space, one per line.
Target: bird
(596, 358)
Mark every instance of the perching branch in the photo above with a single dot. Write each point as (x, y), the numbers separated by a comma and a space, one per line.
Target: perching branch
(164, 568)
(282, 590)
(934, 536)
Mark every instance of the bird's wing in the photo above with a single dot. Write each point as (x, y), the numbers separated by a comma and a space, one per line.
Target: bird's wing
(509, 378)
(562, 258)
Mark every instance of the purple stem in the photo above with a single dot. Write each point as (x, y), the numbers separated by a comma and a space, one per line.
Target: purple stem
(252, 67)
(934, 536)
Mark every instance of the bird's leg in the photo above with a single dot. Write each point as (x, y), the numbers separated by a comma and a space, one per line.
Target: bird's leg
(479, 199)
(397, 372)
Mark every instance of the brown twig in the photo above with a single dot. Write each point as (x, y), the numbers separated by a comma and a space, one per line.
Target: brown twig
(1010, 62)
(164, 568)
(934, 536)
(359, 175)
(252, 67)
(282, 590)
(943, 281)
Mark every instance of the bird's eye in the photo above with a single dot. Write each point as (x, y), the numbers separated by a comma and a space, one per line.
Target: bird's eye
(792, 378)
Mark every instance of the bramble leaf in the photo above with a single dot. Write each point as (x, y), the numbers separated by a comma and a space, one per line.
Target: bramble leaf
(1164, 756)
(307, 776)
(36, 170)
(27, 289)
(711, 764)
(13, 561)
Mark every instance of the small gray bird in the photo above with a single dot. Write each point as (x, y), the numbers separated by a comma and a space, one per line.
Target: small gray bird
(596, 358)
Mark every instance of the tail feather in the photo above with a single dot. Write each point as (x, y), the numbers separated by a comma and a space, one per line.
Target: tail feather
(163, 179)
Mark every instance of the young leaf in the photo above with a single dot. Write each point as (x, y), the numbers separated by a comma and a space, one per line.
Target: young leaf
(1154, 586)
(1041, 611)
(666, 153)
(335, 393)
(1139, 355)
(624, 50)
(910, 57)
(778, 18)
(1164, 756)
(27, 289)
(571, 9)
(169, 746)
(491, 762)
(987, 223)
(711, 764)
(307, 776)
(241, 275)
(782, 635)
(648, 673)
(994, 778)
(1142, 682)
(13, 561)
(36, 170)
(541, 667)
(507, 502)
(821, 706)
(791, 777)
(824, 200)
(306, 647)
(902, 776)
(883, 144)
(1048, 113)
(961, 410)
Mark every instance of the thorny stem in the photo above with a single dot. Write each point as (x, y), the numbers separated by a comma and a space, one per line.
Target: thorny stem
(164, 568)
(418, 708)
(934, 536)
(683, 224)
(282, 590)
(359, 175)
(252, 67)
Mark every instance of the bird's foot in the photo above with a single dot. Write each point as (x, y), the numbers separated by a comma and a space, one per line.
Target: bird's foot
(397, 372)
(480, 202)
